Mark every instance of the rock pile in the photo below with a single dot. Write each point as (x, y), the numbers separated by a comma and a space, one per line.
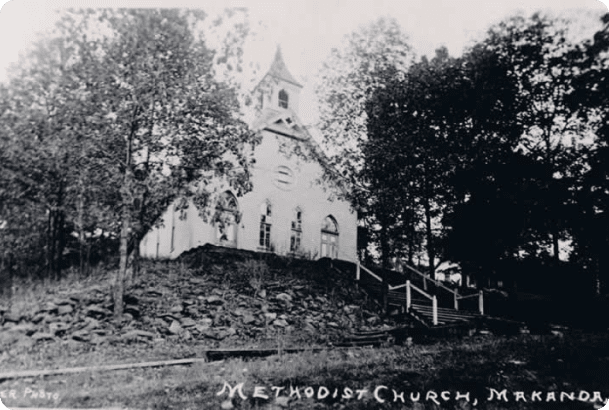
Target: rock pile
(181, 307)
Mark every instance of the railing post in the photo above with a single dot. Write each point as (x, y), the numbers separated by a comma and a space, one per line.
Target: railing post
(456, 296)
(408, 296)
(385, 290)
(425, 283)
(481, 302)
(434, 307)
(357, 275)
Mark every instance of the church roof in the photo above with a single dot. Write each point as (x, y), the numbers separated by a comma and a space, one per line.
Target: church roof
(280, 71)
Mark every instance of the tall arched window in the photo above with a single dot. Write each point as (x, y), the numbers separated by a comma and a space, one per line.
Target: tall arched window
(227, 212)
(265, 225)
(283, 99)
(329, 238)
(296, 236)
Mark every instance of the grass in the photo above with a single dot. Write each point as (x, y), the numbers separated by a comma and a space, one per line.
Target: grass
(575, 362)
(472, 365)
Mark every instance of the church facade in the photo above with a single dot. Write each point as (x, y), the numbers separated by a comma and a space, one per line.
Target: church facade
(289, 211)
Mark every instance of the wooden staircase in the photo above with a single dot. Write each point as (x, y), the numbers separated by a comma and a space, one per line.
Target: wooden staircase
(415, 297)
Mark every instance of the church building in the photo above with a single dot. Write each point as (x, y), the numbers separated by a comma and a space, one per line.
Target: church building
(289, 210)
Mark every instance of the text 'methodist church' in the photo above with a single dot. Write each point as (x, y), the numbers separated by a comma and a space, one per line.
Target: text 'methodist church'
(288, 212)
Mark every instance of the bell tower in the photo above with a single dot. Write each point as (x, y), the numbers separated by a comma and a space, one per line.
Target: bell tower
(278, 90)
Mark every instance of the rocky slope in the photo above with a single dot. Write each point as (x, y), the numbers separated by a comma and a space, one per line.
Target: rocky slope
(210, 296)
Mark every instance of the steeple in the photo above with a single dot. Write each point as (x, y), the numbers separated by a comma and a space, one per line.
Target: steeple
(278, 90)
(280, 71)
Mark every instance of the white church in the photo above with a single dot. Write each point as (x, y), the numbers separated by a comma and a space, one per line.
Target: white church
(288, 212)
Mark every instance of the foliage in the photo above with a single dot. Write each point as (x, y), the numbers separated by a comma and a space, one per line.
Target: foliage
(128, 112)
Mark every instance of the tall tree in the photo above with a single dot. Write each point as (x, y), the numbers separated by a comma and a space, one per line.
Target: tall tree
(148, 117)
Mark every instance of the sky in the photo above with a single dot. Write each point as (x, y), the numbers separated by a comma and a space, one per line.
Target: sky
(307, 30)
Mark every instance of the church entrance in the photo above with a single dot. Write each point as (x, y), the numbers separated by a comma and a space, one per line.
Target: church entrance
(329, 238)
(226, 220)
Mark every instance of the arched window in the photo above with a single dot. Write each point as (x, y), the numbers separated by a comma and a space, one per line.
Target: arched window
(329, 238)
(296, 236)
(283, 99)
(227, 211)
(265, 226)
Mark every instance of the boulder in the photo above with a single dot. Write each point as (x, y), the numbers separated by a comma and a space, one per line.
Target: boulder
(137, 334)
(270, 316)
(42, 336)
(175, 328)
(284, 297)
(188, 322)
(214, 300)
(280, 323)
(12, 317)
(176, 309)
(64, 309)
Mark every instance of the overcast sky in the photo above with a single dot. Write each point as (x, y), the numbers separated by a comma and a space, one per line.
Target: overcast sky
(308, 29)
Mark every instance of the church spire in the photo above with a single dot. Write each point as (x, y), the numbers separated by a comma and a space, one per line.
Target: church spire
(280, 71)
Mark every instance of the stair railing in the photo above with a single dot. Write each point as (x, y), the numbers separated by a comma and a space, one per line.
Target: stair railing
(480, 296)
(438, 284)
(409, 288)
(455, 293)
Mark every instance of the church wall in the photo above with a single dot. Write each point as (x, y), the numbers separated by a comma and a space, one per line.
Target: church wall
(305, 193)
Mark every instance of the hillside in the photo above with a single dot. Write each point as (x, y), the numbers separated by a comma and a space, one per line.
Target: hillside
(208, 298)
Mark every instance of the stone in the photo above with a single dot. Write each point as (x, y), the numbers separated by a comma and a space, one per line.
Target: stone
(26, 328)
(42, 336)
(64, 309)
(12, 317)
(63, 302)
(280, 323)
(207, 322)
(58, 328)
(132, 310)
(270, 316)
(175, 328)
(97, 312)
(81, 336)
(214, 300)
(188, 322)
(136, 334)
(176, 309)
(49, 307)
(227, 405)
(284, 297)
(248, 318)
(262, 293)
(282, 401)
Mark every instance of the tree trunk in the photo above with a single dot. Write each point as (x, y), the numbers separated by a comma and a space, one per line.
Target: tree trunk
(82, 258)
(119, 281)
(430, 248)
(126, 197)
(555, 246)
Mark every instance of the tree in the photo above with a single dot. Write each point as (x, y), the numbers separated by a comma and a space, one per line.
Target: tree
(540, 56)
(150, 125)
(590, 100)
(346, 81)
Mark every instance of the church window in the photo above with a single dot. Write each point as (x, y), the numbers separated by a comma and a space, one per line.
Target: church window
(227, 211)
(283, 99)
(296, 236)
(329, 238)
(265, 226)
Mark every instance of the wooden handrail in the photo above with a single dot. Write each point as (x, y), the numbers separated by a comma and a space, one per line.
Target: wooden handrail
(427, 295)
(397, 287)
(425, 278)
(468, 296)
(374, 275)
